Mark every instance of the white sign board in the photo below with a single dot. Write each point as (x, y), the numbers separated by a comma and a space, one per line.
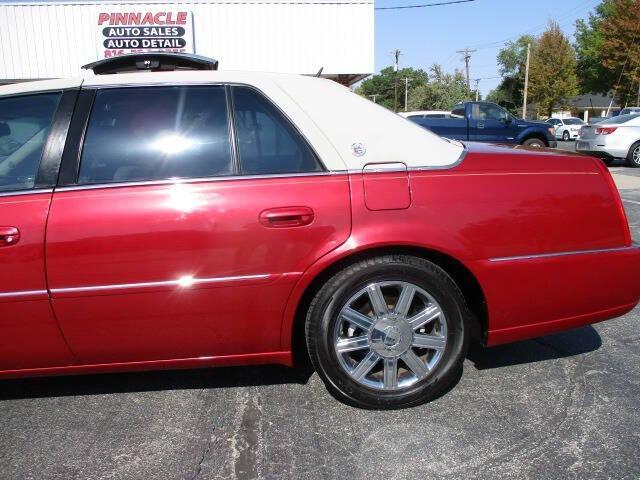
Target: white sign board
(122, 32)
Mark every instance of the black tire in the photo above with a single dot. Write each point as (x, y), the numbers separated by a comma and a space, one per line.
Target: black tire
(634, 151)
(323, 315)
(534, 142)
(565, 136)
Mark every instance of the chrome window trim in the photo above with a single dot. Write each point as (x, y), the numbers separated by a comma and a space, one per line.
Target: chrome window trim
(633, 246)
(181, 181)
(32, 191)
(460, 159)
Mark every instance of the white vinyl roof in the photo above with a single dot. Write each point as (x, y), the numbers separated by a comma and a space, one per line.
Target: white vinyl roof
(347, 131)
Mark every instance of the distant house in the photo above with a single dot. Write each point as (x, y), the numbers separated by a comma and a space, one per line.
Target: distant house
(583, 106)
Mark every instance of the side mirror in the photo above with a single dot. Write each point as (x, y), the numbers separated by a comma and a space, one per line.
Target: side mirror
(5, 130)
(506, 121)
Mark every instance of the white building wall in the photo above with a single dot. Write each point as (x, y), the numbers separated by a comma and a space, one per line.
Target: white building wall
(53, 39)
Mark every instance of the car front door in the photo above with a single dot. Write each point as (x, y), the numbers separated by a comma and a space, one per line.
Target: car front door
(31, 126)
(186, 224)
(491, 124)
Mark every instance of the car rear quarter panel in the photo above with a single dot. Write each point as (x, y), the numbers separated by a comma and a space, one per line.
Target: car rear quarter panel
(500, 213)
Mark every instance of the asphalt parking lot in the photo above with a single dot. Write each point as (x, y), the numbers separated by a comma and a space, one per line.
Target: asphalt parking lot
(563, 406)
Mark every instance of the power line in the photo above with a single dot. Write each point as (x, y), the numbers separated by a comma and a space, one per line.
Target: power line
(537, 28)
(402, 7)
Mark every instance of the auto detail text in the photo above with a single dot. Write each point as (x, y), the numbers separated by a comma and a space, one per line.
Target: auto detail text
(134, 32)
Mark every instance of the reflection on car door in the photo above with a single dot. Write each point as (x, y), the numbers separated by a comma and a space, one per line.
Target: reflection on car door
(161, 250)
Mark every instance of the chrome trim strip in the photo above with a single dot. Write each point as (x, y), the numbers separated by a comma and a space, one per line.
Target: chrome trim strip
(26, 192)
(178, 181)
(23, 293)
(183, 282)
(564, 254)
(381, 167)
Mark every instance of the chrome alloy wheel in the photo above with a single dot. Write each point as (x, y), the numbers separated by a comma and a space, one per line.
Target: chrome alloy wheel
(636, 155)
(390, 335)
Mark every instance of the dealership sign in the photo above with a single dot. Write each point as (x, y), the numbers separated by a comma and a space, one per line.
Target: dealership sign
(144, 31)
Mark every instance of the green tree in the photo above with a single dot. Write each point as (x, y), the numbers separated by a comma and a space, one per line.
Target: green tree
(552, 71)
(594, 76)
(512, 62)
(608, 50)
(620, 49)
(441, 92)
(383, 85)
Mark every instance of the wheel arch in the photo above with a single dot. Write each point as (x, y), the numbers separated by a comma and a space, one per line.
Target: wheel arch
(534, 134)
(461, 274)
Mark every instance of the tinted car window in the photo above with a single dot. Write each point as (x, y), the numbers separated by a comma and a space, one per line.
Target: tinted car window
(156, 133)
(267, 142)
(490, 112)
(458, 111)
(620, 119)
(573, 121)
(24, 124)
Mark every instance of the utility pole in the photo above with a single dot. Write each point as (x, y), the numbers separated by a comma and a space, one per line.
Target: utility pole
(374, 96)
(396, 57)
(406, 92)
(526, 83)
(466, 56)
(477, 80)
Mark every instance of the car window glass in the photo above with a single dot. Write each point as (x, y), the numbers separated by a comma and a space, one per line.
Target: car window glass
(573, 121)
(458, 112)
(491, 112)
(24, 124)
(267, 142)
(620, 119)
(156, 133)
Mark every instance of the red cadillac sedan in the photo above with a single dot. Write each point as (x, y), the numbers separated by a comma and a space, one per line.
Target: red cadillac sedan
(181, 219)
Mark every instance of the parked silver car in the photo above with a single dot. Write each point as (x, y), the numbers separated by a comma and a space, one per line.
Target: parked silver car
(566, 128)
(617, 137)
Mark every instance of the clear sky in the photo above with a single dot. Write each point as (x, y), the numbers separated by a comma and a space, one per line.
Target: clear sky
(432, 35)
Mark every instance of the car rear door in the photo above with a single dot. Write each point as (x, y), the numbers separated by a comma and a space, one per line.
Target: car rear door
(181, 225)
(32, 131)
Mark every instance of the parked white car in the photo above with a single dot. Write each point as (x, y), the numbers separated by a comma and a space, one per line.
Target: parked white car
(617, 137)
(426, 114)
(566, 128)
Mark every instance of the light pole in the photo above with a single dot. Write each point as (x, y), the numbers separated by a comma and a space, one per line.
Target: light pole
(526, 83)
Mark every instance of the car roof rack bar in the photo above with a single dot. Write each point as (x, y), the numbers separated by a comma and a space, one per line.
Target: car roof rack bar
(151, 61)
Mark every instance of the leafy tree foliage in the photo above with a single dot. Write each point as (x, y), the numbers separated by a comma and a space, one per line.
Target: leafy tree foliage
(608, 49)
(512, 62)
(552, 70)
(383, 84)
(441, 92)
(594, 76)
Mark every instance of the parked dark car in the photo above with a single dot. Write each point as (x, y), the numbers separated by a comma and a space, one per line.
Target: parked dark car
(488, 122)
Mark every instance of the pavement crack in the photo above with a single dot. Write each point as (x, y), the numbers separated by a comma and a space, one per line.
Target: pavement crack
(210, 432)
